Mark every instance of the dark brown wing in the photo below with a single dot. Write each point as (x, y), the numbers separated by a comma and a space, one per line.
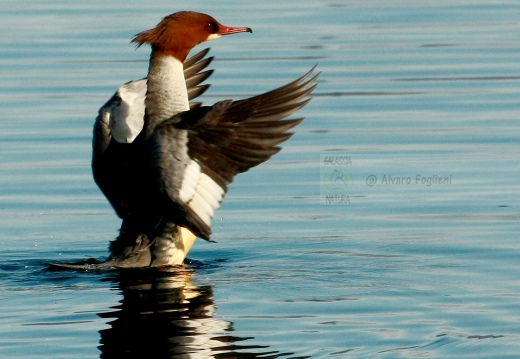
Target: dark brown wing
(194, 76)
(213, 144)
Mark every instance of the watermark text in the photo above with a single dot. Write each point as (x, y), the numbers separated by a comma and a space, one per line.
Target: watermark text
(416, 180)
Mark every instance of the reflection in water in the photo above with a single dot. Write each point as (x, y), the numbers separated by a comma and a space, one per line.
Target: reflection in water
(164, 315)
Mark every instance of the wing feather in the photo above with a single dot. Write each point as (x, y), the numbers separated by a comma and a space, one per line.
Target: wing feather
(228, 138)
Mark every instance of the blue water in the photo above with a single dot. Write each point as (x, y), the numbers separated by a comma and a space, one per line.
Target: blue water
(386, 228)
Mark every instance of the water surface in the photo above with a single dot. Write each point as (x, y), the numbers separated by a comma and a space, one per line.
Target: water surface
(345, 245)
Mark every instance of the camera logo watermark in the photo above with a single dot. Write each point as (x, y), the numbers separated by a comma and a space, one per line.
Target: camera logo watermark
(335, 179)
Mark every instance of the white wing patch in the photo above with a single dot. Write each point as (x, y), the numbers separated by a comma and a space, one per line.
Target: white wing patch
(189, 181)
(127, 115)
(200, 192)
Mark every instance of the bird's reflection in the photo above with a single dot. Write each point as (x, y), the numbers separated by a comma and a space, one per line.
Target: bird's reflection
(164, 315)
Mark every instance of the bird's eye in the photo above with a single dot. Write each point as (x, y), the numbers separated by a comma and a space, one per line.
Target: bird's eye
(212, 27)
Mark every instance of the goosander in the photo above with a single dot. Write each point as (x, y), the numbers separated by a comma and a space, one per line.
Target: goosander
(164, 163)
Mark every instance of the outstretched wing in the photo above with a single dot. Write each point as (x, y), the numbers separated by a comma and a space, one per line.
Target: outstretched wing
(197, 153)
(122, 119)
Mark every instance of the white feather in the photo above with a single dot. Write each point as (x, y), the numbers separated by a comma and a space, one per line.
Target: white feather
(213, 37)
(127, 115)
(189, 182)
(201, 208)
(200, 192)
(208, 197)
(210, 190)
(211, 186)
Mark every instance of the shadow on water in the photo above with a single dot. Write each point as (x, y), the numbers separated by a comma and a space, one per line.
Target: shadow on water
(162, 313)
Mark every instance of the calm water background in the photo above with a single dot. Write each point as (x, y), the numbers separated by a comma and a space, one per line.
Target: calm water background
(392, 268)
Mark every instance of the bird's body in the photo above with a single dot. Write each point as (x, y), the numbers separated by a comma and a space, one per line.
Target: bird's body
(164, 163)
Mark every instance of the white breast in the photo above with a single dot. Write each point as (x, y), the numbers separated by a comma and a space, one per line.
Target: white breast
(167, 94)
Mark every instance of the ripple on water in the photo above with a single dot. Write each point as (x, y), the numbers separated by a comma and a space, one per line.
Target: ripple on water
(401, 270)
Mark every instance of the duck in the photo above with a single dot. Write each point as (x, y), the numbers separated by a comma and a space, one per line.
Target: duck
(163, 161)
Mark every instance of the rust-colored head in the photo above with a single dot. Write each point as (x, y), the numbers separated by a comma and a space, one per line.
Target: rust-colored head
(178, 33)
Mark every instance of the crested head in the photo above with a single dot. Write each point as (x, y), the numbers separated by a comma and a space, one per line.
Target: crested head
(178, 33)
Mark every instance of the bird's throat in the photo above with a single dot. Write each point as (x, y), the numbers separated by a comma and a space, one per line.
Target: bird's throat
(167, 94)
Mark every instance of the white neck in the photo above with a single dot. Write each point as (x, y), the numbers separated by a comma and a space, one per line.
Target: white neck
(167, 94)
